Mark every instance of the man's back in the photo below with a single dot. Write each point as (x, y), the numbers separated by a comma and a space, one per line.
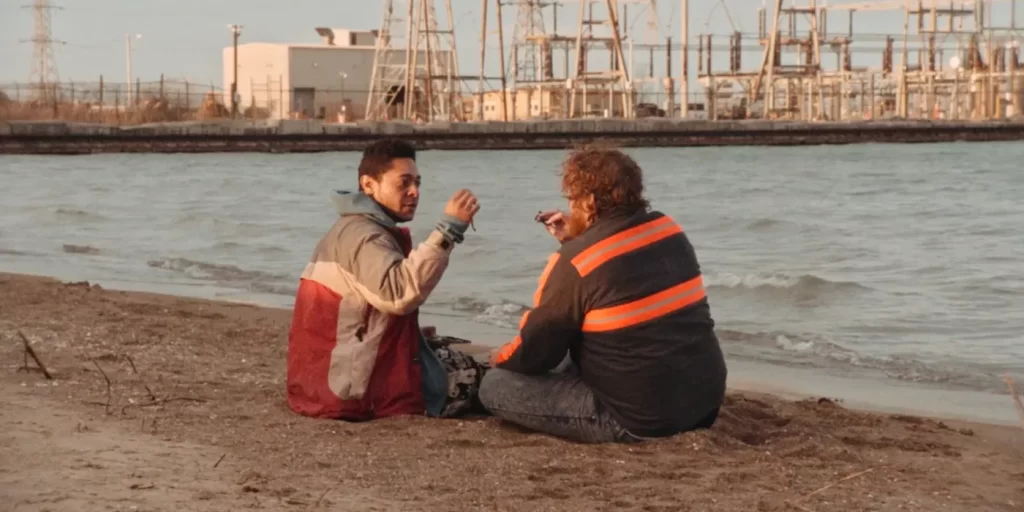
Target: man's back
(648, 348)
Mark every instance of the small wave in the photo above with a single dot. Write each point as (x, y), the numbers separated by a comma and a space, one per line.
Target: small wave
(501, 314)
(76, 214)
(204, 270)
(784, 349)
(12, 252)
(80, 249)
(803, 289)
(765, 223)
(802, 350)
(251, 248)
(229, 275)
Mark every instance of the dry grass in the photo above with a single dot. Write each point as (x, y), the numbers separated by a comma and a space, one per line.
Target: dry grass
(150, 110)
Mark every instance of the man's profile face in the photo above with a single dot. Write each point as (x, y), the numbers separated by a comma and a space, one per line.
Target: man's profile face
(398, 189)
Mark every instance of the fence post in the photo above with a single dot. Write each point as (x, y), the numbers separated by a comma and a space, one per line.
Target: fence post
(188, 99)
(161, 86)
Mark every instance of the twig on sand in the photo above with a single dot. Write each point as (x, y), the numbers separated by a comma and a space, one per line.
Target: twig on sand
(29, 351)
(1016, 398)
(827, 487)
(154, 400)
(106, 406)
(215, 464)
(798, 507)
(321, 498)
(152, 395)
(837, 482)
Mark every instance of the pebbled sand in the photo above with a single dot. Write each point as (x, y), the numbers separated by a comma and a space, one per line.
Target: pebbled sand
(218, 436)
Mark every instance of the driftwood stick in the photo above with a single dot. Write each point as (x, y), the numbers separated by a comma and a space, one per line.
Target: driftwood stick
(106, 378)
(321, 498)
(1016, 399)
(31, 352)
(152, 395)
(837, 482)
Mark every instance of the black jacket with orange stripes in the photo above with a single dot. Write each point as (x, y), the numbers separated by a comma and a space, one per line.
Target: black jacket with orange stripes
(626, 300)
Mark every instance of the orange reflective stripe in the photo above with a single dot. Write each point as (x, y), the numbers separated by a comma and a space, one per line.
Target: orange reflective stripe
(544, 278)
(507, 350)
(647, 308)
(620, 243)
(522, 321)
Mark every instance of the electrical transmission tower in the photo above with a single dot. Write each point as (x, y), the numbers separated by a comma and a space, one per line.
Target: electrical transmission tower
(415, 65)
(44, 66)
(531, 50)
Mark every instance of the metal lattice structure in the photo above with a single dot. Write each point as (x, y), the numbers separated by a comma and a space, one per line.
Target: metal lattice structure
(415, 69)
(44, 66)
(952, 60)
(532, 62)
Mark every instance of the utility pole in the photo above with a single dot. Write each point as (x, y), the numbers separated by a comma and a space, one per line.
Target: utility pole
(236, 30)
(483, 59)
(684, 83)
(501, 57)
(128, 57)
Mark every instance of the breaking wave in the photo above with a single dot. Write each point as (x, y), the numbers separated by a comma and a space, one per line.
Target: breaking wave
(228, 275)
(788, 349)
(806, 282)
(804, 289)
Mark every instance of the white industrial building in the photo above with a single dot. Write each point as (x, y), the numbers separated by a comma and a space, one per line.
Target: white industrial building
(329, 80)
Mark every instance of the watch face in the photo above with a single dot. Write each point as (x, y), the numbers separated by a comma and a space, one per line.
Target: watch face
(445, 244)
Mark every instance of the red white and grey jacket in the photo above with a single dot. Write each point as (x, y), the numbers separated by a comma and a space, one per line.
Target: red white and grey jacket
(626, 299)
(355, 350)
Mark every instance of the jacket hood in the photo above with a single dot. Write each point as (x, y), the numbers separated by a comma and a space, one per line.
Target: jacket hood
(347, 202)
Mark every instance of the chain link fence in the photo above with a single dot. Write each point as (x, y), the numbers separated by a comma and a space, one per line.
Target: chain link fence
(121, 103)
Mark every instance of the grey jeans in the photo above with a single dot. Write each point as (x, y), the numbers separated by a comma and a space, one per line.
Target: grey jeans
(557, 403)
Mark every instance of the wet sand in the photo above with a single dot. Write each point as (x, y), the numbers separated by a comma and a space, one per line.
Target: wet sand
(170, 403)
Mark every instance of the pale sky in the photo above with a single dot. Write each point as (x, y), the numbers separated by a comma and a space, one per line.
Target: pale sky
(183, 39)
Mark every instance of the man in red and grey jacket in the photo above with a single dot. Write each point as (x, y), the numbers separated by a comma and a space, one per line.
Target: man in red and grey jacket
(355, 348)
(623, 298)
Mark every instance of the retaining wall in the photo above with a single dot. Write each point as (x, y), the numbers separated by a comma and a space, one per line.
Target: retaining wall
(42, 137)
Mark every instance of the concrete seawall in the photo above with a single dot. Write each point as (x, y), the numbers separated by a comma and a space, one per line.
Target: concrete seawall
(48, 137)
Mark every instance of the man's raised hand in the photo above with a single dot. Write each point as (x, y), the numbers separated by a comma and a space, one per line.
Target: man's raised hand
(463, 206)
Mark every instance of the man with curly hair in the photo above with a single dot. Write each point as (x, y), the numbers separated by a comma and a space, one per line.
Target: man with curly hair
(620, 344)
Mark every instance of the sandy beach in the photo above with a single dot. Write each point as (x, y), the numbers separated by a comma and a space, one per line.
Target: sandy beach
(168, 403)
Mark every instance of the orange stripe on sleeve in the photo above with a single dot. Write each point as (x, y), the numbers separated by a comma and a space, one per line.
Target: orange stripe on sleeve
(522, 321)
(626, 241)
(552, 260)
(509, 349)
(645, 309)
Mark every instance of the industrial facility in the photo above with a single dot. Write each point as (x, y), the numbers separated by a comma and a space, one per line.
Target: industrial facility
(575, 58)
(949, 62)
(304, 80)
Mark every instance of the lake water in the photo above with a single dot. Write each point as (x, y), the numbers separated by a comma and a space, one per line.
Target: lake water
(887, 261)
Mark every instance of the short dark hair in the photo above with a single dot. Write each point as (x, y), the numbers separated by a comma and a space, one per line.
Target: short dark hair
(377, 157)
(612, 176)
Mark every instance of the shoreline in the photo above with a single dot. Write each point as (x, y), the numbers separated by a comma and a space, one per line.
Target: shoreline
(225, 136)
(177, 403)
(857, 391)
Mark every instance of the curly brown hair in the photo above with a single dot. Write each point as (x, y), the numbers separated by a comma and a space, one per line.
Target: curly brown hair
(610, 175)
